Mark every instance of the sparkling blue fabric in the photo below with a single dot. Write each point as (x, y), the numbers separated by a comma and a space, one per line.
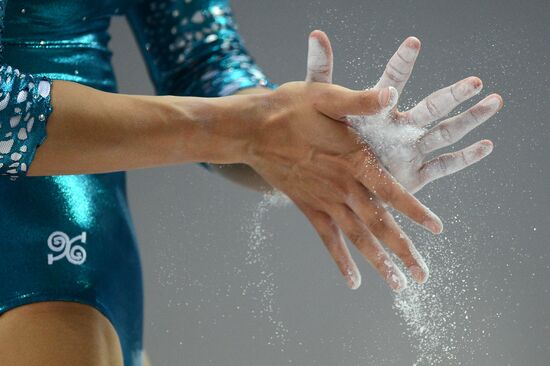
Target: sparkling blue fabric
(182, 38)
(24, 109)
(71, 238)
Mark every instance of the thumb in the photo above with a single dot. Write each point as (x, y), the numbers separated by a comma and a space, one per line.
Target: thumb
(338, 102)
(319, 58)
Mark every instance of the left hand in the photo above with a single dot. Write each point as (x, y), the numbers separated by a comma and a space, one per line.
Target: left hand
(400, 139)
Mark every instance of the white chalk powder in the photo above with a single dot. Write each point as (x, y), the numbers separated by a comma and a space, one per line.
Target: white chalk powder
(428, 310)
(437, 315)
(393, 143)
(263, 288)
(440, 316)
(386, 137)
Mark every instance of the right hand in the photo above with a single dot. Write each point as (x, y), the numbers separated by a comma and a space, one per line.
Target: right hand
(302, 149)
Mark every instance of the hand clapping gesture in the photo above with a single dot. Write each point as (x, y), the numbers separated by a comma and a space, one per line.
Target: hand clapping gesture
(401, 143)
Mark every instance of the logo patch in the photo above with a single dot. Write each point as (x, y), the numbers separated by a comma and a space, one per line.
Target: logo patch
(59, 242)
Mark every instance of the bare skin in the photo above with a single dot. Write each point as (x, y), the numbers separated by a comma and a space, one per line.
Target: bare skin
(32, 334)
(67, 333)
(293, 139)
(407, 162)
(405, 159)
(58, 334)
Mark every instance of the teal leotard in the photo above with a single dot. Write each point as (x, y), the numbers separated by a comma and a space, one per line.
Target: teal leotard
(71, 237)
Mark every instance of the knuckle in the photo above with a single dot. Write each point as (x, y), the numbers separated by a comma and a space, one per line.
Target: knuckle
(386, 265)
(382, 263)
(424, 174)
(403, 251)
(360, 237)
(432, 107)
(454, 92)
(403, 58)
(388, 191)
(473, 115)
(340, 189)
(445, 133)
(280, 98)
(394, 67)
(319, 69)
(464, 158)
(392, 75)
(442, 164)
(378, 224)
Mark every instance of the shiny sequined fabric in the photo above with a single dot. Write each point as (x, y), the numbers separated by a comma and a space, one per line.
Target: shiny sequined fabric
(24, 109)
(71, 238)
(193, 48)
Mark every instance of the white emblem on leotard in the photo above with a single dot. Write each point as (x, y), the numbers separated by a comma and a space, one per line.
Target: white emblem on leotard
(60, 242)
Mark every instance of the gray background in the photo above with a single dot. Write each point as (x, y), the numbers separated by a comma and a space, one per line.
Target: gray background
(492, 263)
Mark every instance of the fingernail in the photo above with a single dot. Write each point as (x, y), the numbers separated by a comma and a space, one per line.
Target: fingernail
(397, 281)
(478, 84)
(418, 274)
(394, 97)
(467, 88)
(433, 223)
(388, 98)
(384, 97)
(353, 279)
(413, 42)
(493, 103)
(487, 146)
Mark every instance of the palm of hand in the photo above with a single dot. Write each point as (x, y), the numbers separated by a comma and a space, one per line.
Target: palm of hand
(394, 144)
(401, 140)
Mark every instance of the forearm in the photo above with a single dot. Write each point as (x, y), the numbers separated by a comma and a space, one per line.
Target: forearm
(243, 174)
(96, 132)
(217, 64)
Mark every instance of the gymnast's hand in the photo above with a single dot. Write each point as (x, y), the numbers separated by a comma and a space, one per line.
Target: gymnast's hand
(400, 139)
(303, 149)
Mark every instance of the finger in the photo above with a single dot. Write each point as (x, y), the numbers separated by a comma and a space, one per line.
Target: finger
(331, 236)
(400, 66)
(370, 247)
(319, 58)
(453, 129)
(383, 226)
(443, 101)
(448, 164)
(337, 102)
(378, 181)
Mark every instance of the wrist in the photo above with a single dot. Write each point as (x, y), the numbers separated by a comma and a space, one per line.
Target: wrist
(218, 130)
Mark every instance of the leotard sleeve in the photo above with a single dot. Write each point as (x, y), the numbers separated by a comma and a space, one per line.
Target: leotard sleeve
(25, 106)
(192, 48)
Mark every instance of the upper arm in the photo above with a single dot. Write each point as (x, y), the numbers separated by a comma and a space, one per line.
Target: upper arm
(193, 48)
